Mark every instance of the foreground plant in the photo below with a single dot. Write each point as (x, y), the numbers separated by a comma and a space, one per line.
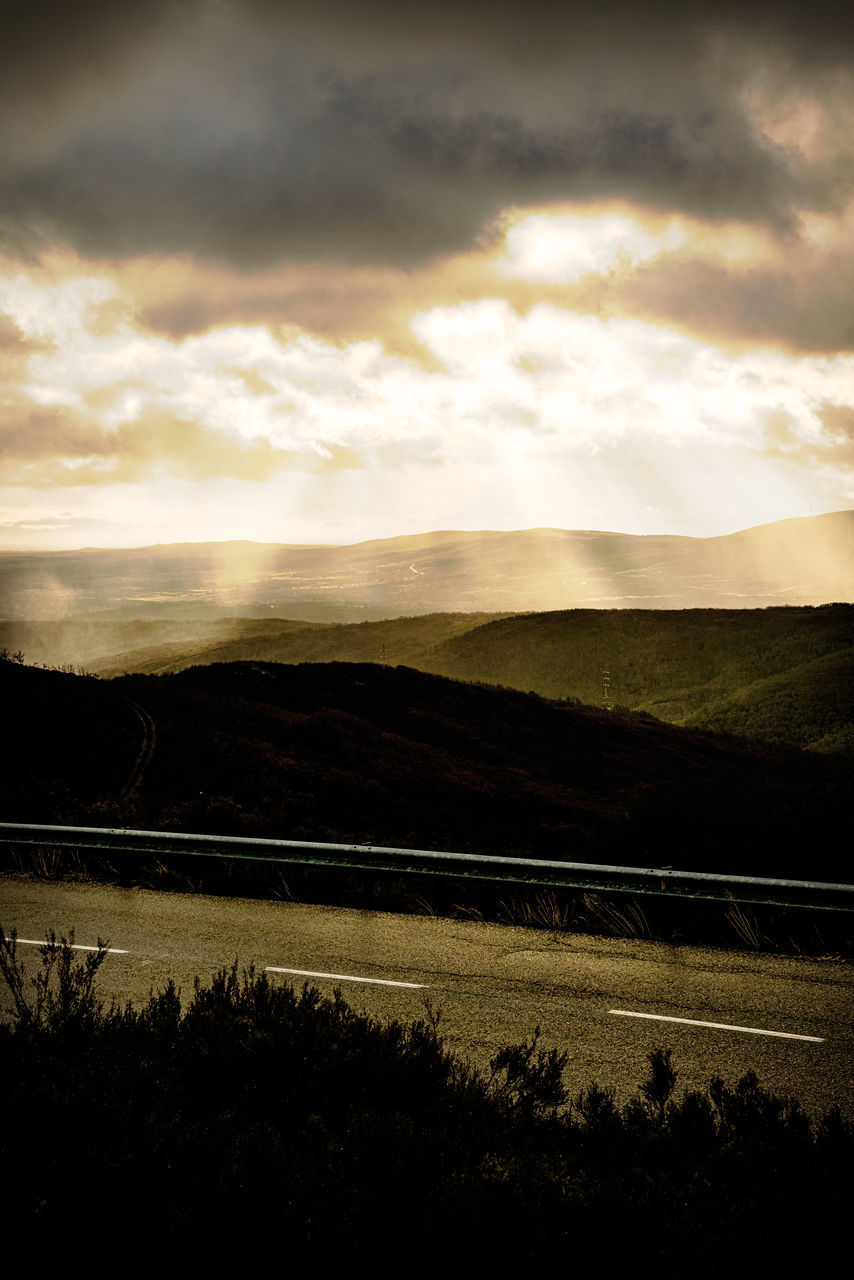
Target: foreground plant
(272, 1127)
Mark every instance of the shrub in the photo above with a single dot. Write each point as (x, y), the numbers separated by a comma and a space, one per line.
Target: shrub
(261, 1125)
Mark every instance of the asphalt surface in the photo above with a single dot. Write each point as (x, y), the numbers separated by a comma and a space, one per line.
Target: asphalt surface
(492, 983)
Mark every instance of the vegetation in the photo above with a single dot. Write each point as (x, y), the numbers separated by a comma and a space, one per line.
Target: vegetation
(778, 674)
(260, 1125)
(151, 647)
(393, 756)
(68, 740)
(783, 674)
(810, 705)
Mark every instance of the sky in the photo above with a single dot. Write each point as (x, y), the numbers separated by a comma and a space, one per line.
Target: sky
(324, 271)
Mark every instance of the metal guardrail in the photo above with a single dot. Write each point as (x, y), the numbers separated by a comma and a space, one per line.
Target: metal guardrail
(536, 872)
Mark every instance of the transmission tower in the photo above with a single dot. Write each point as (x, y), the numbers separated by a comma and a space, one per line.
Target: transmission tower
(606, 689)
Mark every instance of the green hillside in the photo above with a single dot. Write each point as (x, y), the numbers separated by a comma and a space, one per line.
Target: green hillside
(408, 641)
(780, 674)
(681, 666)
(666, 662)
(110, 647)
(808, 706)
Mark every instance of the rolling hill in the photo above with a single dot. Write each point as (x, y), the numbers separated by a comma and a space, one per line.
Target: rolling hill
(783, 674)
(810, 705)
(360, 752)
(801, 561)
(684, 667)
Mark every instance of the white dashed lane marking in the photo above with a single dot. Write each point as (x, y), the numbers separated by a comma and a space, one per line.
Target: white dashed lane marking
(344, 977)
(422, 986)
(75, 946)
(717, 1026)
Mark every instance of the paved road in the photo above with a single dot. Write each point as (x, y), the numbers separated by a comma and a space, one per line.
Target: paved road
(493, 983)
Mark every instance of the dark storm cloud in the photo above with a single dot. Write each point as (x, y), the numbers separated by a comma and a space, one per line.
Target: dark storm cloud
(804, 304)
(357, 186)
(385, 132)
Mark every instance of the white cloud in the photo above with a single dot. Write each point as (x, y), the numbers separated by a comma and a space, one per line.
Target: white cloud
(545, 418)
(560, 248)
(53, 312)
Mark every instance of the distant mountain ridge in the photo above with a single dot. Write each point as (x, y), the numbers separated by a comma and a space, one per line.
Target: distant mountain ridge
(803, 561)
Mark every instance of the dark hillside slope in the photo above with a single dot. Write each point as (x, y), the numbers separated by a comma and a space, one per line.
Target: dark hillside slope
(395, 756)
(67, 742)
(683, 666)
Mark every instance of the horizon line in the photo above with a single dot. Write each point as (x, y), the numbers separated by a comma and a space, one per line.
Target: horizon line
(427, 533)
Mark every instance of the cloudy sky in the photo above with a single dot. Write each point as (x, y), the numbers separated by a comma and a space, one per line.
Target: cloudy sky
(326, 270)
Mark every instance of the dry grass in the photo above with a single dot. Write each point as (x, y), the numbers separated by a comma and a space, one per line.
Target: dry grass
(545, 911)
(746, 926)
(624, 919)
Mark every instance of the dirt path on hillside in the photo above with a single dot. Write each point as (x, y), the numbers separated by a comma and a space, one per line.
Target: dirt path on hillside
(146, 750)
